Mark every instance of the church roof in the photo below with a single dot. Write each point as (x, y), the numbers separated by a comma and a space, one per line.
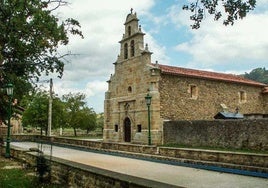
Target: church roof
(165, 69)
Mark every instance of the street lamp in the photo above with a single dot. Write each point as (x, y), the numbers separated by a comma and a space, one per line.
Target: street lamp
(9, 89)
(148, 100)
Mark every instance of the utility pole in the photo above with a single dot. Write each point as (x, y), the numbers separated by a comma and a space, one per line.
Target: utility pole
(50, 108)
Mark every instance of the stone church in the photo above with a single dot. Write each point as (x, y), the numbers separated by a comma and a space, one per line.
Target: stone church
(177, 93)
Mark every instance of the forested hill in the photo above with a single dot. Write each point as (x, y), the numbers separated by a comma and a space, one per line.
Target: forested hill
(258, 74)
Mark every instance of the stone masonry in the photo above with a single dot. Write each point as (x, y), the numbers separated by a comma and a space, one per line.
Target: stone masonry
(177, 103)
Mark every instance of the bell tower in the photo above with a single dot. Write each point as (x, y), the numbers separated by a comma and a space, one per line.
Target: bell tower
(132, 43)
(125, 117)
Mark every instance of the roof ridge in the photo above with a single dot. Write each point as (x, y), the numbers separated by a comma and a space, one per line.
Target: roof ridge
(167, 69)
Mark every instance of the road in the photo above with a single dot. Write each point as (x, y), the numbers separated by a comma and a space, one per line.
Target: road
(171, 174)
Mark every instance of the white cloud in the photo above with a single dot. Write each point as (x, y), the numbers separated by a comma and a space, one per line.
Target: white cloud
(159, 52)
(244, 43)
(178, 16)
(96, 87)
(102, 24)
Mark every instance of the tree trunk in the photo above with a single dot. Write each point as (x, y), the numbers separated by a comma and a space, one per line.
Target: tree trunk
(75, 132)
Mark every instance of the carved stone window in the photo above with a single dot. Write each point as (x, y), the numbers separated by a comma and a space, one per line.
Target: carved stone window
(126, 51)
(115, 128)
(129, 30)
(132, 48)
(193, 90)
(242, 97)
(129, 89)
(139, 128)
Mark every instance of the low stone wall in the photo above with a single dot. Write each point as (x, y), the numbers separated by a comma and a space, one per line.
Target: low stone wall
(244, 161)
(72, 174)
(236, 134)
(96, 145)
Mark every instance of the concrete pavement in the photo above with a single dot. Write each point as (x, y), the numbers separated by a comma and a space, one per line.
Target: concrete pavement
(171, 174)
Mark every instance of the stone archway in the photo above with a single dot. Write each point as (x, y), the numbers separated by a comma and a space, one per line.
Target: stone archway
(127, 130)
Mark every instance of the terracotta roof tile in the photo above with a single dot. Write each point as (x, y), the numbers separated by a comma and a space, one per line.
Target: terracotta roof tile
(207, 75)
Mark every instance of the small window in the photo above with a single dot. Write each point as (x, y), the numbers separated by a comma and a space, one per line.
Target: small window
(129, 30)
(116, 128)
(193, 91)
(132, 48)
(242, 96)
(139, 128)
(126, 51)
(129, 89)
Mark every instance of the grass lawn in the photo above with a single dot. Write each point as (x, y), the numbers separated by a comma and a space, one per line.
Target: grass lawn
(12, 174)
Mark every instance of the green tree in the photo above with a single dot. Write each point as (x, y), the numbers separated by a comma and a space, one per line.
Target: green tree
(36, 114)
(78, 115)
(29, 40)
(258, 74)
(100, 121)
(234, 9)
(59, 113)
(88, 119)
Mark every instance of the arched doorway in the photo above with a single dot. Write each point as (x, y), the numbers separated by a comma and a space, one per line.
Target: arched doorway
(127, 129)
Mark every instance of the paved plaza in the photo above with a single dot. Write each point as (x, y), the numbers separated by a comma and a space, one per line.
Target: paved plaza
(171, 174)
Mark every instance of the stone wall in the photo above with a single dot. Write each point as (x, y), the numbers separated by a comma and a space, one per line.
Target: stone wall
(237, 134)
(3, 133)
(235, 160)
(71, 174)
(265, 103)
(178, 104)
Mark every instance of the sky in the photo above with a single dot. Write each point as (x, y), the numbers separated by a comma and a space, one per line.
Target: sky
(229, 49)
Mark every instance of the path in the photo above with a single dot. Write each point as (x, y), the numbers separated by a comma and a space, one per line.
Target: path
(176, 175)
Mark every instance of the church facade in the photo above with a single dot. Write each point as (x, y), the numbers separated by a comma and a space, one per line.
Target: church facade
(177, 93)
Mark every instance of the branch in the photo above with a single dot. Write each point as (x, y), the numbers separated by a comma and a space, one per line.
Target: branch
(235, 9)
(58, 3)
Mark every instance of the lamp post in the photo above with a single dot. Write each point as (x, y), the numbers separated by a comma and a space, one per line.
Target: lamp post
(148, 100)
(9, 89)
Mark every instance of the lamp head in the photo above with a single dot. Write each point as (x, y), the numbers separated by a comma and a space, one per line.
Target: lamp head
(148, 99)
(9, 89)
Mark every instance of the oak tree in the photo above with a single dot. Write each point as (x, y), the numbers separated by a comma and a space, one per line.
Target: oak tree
(36, 111)
(78, 114)
(29, 40)
(234, 10)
